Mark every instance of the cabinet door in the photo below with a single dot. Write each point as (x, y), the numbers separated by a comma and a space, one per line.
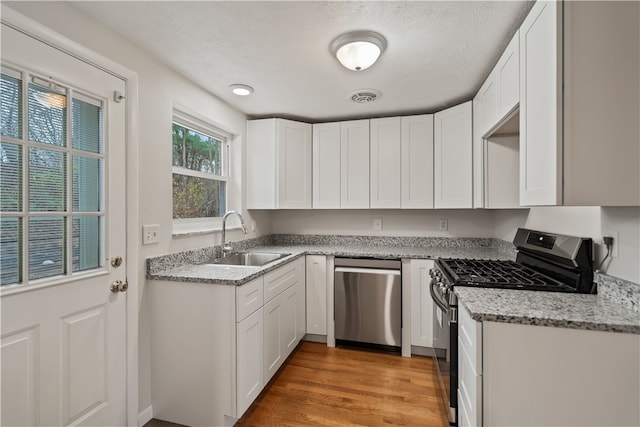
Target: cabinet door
(507, 74)
(417, 161)
(385, 161)
(273, 350)
(316, 294)
(541, 105)
(421, 303)
(288, 320)
(294, 165)
(478, 153)
(354, 164)
(326, 166)
(261, 164)
(453, 154)
(250, 360)
(301, 299)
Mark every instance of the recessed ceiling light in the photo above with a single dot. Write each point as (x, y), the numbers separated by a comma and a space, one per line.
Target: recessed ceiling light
(241, 90)
(358, 50)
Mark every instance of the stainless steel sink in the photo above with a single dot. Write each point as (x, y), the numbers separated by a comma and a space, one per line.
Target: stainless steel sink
(253, 259)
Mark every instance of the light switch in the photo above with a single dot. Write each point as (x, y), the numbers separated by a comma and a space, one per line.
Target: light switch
(377, 224)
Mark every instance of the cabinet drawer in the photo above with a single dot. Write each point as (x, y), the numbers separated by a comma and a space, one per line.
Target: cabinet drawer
(470, 339)
(249, 298)
(278, 280)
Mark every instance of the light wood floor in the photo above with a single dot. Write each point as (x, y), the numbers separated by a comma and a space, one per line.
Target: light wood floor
(322, 386)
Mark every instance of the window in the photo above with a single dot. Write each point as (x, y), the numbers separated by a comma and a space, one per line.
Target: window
(200, 171)
(51, 179)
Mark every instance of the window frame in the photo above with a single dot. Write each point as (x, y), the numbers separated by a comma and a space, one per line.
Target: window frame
(190, 226)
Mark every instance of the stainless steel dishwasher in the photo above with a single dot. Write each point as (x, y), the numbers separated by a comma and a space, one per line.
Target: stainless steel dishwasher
(368, 301)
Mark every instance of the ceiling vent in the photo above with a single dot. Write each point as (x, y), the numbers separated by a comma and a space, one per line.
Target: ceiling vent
(363, 96)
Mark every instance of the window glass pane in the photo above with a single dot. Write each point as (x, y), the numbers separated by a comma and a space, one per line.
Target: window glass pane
(46, 247)
(196, 151)
(47, 116)
(10, 177)
(11, 107)
(10, 250)
(197, 197)
(86, 243)
(87, 180)
(86, 128)
(47, 183)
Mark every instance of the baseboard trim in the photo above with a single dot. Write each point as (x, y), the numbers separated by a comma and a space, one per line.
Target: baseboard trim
(145, 416)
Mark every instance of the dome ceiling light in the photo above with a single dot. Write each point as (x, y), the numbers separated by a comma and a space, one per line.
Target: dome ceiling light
(241, 90)
(358, 50)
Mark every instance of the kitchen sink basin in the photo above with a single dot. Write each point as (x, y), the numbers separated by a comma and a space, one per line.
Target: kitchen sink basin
(253, 259)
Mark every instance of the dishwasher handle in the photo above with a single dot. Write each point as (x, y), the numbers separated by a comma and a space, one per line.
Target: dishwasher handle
(367, 271)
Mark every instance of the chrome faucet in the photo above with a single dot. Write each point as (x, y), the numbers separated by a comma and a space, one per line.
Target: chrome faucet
(226, 249)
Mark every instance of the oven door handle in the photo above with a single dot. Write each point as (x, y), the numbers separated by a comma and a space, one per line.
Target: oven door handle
(436, 298)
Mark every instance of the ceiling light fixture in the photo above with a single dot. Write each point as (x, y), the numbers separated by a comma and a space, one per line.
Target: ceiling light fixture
(241, 90)
(358, 50)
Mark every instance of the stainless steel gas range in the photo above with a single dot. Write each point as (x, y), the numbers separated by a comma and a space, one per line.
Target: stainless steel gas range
(544, 262)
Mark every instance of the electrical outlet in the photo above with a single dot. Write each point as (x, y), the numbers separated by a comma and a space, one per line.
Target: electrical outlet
(253, 226)
(150, 234)
(444, 224)
(377, 224)
(615, 250)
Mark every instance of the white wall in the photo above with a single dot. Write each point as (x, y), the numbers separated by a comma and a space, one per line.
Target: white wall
(462, 223)
(160, 90)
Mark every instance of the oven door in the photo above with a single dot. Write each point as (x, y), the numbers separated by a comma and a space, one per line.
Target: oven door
(445, 355)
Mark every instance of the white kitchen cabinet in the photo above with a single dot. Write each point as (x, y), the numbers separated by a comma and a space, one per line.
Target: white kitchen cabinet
(278, 164)
(326, 165)
(494, 104)
(548, 376)
(421, 303)
(469, 370)
(283, 314)
(386, 162)
(579, 104)
(453, 178)
(507, 76)
(215, 347)
(316, 296)
(250, 354)
(354, 164)
(417, 161)
(501, 171)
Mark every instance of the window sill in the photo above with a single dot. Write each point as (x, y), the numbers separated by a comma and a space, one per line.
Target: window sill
(198, 230)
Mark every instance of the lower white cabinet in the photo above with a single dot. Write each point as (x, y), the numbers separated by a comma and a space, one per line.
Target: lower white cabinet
(249, 342)
(421, 303)
(284, 321)
(317, 294)
(215, 347)
(525, 375)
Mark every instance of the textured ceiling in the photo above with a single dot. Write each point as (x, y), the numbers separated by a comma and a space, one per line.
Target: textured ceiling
(438, 53)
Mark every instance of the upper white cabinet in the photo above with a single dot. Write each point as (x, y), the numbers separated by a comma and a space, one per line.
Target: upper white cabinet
(507, 77)
(494, 103)
(278, 164)
(453, 157)
(417, 161)
(341, 165)
(385, 152)
(579, 104)
(354, 161)
(326, 166)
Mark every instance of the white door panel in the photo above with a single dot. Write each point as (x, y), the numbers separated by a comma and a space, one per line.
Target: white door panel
(64, 337)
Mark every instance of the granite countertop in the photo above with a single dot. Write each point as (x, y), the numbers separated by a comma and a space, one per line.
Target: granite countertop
(555, 309)
(188, 267)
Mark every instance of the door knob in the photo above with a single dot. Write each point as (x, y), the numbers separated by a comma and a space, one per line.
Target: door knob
(119, 286)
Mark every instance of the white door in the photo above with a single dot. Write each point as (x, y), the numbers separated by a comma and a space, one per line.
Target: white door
(63, 220)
